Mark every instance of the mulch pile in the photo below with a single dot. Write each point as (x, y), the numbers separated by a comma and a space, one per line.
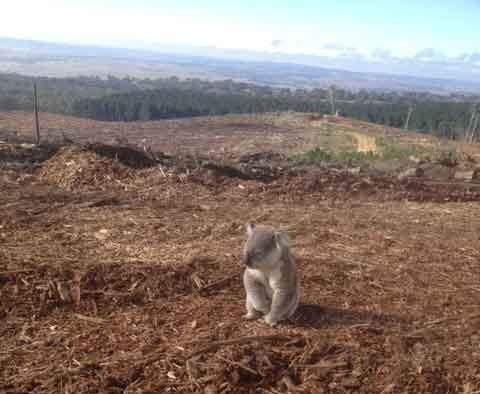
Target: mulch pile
(73, 167)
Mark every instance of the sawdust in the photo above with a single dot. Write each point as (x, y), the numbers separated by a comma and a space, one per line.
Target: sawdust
(75, 166)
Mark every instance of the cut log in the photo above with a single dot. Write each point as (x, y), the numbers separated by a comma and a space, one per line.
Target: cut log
(476, 174)
(464, 175)
(416, 160)
(354, 170)
(411, 172)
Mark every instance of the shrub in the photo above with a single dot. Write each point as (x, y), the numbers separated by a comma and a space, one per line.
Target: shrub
(319, 156)
(392, 150)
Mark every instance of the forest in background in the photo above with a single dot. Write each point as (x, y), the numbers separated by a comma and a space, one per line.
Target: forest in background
(132, 99)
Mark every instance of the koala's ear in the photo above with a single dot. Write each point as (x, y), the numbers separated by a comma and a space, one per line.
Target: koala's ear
(250, 227)
(281, 239)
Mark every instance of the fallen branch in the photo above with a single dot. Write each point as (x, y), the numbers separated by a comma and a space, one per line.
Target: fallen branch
(430, 324)
(218, 282)
(98, 203)
(112, 293)
(240, 365)
(90, 319)
(451, 318)
(328, 365)
(161, 171)
(15, 272)
(215, 345)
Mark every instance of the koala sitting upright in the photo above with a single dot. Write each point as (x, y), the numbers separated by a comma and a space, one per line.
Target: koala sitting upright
(270, 278)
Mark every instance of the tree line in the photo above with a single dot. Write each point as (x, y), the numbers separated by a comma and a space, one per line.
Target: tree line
(178, 103)
(132, 99)
(446, 119)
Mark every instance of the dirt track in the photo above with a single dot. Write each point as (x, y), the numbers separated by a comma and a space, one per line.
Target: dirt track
(365, 143)
(390, 288)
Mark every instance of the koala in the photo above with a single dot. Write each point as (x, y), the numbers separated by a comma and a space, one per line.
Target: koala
(270, 277)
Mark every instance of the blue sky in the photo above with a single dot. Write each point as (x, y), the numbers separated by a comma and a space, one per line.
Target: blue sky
(396, 28)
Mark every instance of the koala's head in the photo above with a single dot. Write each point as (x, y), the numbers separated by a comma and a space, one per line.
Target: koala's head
(264, 247)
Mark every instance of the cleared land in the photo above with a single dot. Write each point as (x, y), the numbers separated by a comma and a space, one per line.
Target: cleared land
(121, 275)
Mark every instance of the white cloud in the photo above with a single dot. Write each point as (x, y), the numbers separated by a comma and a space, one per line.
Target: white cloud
(276, 43)
(382, 54)
(117, 25)
(339, 47)
(429, 55)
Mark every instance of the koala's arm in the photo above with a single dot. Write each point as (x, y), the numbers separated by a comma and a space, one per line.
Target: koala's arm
(256, 294)
(285, 295)
(282, 300)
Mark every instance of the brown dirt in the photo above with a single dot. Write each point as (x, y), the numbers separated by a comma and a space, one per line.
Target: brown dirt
(389, 273)
(221, 136)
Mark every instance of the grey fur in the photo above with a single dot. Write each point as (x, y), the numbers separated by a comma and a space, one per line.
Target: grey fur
(270, 279)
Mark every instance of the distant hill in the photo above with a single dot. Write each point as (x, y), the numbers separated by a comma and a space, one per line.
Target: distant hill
(62, 60)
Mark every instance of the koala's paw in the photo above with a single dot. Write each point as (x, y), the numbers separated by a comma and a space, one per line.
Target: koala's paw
(272, 322)
(251, 316)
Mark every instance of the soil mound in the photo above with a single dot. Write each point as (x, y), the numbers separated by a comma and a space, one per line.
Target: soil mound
(24, 156)
(125, 155)
(341, 184)
(75, 167)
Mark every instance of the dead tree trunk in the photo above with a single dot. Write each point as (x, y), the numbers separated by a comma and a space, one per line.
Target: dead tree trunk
(331, 93)
(472, 125)
(35, 109)
(473, 133)
(409, 115)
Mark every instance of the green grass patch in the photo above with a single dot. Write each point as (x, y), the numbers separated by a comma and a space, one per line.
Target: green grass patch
(319, 156)
(389, 149)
